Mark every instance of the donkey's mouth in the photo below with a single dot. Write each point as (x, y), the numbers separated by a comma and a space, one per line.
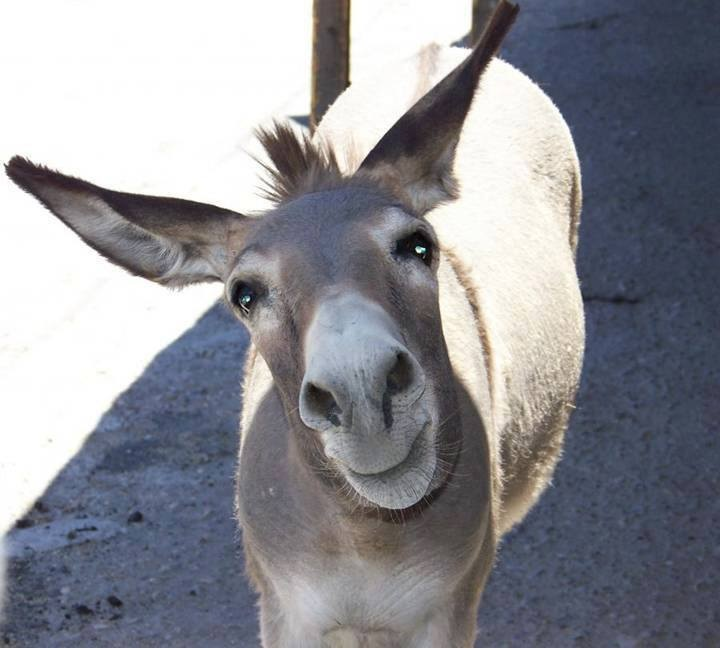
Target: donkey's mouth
(401, 466)
(405, 483)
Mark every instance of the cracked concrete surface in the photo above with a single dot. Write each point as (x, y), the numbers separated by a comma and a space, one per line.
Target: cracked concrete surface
(118, 446)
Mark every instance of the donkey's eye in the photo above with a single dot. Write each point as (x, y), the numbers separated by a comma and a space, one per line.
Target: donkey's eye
(243, 296)
(416, 245)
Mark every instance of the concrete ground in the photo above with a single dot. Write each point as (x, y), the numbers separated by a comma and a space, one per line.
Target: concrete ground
(119, 400)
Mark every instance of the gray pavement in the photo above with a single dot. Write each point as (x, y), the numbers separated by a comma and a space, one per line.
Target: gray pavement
(131, 542)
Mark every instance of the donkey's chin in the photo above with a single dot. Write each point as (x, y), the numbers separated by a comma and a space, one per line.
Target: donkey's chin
(406, 483)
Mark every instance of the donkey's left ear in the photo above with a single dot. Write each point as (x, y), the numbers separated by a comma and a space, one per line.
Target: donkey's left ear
(172, 241)
(414, 158)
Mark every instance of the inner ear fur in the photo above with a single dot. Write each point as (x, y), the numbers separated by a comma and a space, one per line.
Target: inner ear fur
(414, 158)
(168, 240)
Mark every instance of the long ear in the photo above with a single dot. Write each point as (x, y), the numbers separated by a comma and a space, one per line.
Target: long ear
(174, 242)
(414, 158)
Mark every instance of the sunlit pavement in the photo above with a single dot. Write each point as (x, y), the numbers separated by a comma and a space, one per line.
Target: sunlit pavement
(161, 98)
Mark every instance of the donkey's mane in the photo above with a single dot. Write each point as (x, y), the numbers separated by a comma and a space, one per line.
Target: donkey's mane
(296, 164)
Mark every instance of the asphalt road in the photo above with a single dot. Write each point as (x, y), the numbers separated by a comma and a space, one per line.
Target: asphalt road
(131, 542)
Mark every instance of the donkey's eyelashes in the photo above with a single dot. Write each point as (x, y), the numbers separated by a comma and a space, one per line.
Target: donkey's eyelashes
(416, 245)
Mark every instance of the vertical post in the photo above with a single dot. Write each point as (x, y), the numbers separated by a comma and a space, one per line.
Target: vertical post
(481, 12)
(330, 55)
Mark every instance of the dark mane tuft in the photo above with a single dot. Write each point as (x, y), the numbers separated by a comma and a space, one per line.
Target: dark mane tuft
(296, 165)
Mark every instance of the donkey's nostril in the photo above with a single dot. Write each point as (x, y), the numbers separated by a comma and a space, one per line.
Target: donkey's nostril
(399, 380)
(401, 374)
(321, 403)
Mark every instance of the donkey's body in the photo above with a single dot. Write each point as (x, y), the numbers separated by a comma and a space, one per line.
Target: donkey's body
(513, 323)
(417, 336)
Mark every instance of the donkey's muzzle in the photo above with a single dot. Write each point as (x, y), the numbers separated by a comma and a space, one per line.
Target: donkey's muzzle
(362, 386)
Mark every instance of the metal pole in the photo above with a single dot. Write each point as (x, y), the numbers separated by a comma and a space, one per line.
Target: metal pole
(330, 55)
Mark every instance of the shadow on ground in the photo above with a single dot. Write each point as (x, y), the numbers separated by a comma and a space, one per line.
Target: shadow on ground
(133, 542)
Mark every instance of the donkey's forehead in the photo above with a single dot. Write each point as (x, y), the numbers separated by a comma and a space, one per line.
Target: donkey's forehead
(325, 218)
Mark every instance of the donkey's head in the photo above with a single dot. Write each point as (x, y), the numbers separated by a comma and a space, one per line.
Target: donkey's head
(337, 284)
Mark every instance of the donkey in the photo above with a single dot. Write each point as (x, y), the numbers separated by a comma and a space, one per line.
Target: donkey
(417, 336)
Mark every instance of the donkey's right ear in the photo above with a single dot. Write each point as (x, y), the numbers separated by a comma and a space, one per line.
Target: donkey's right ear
(172, 241)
